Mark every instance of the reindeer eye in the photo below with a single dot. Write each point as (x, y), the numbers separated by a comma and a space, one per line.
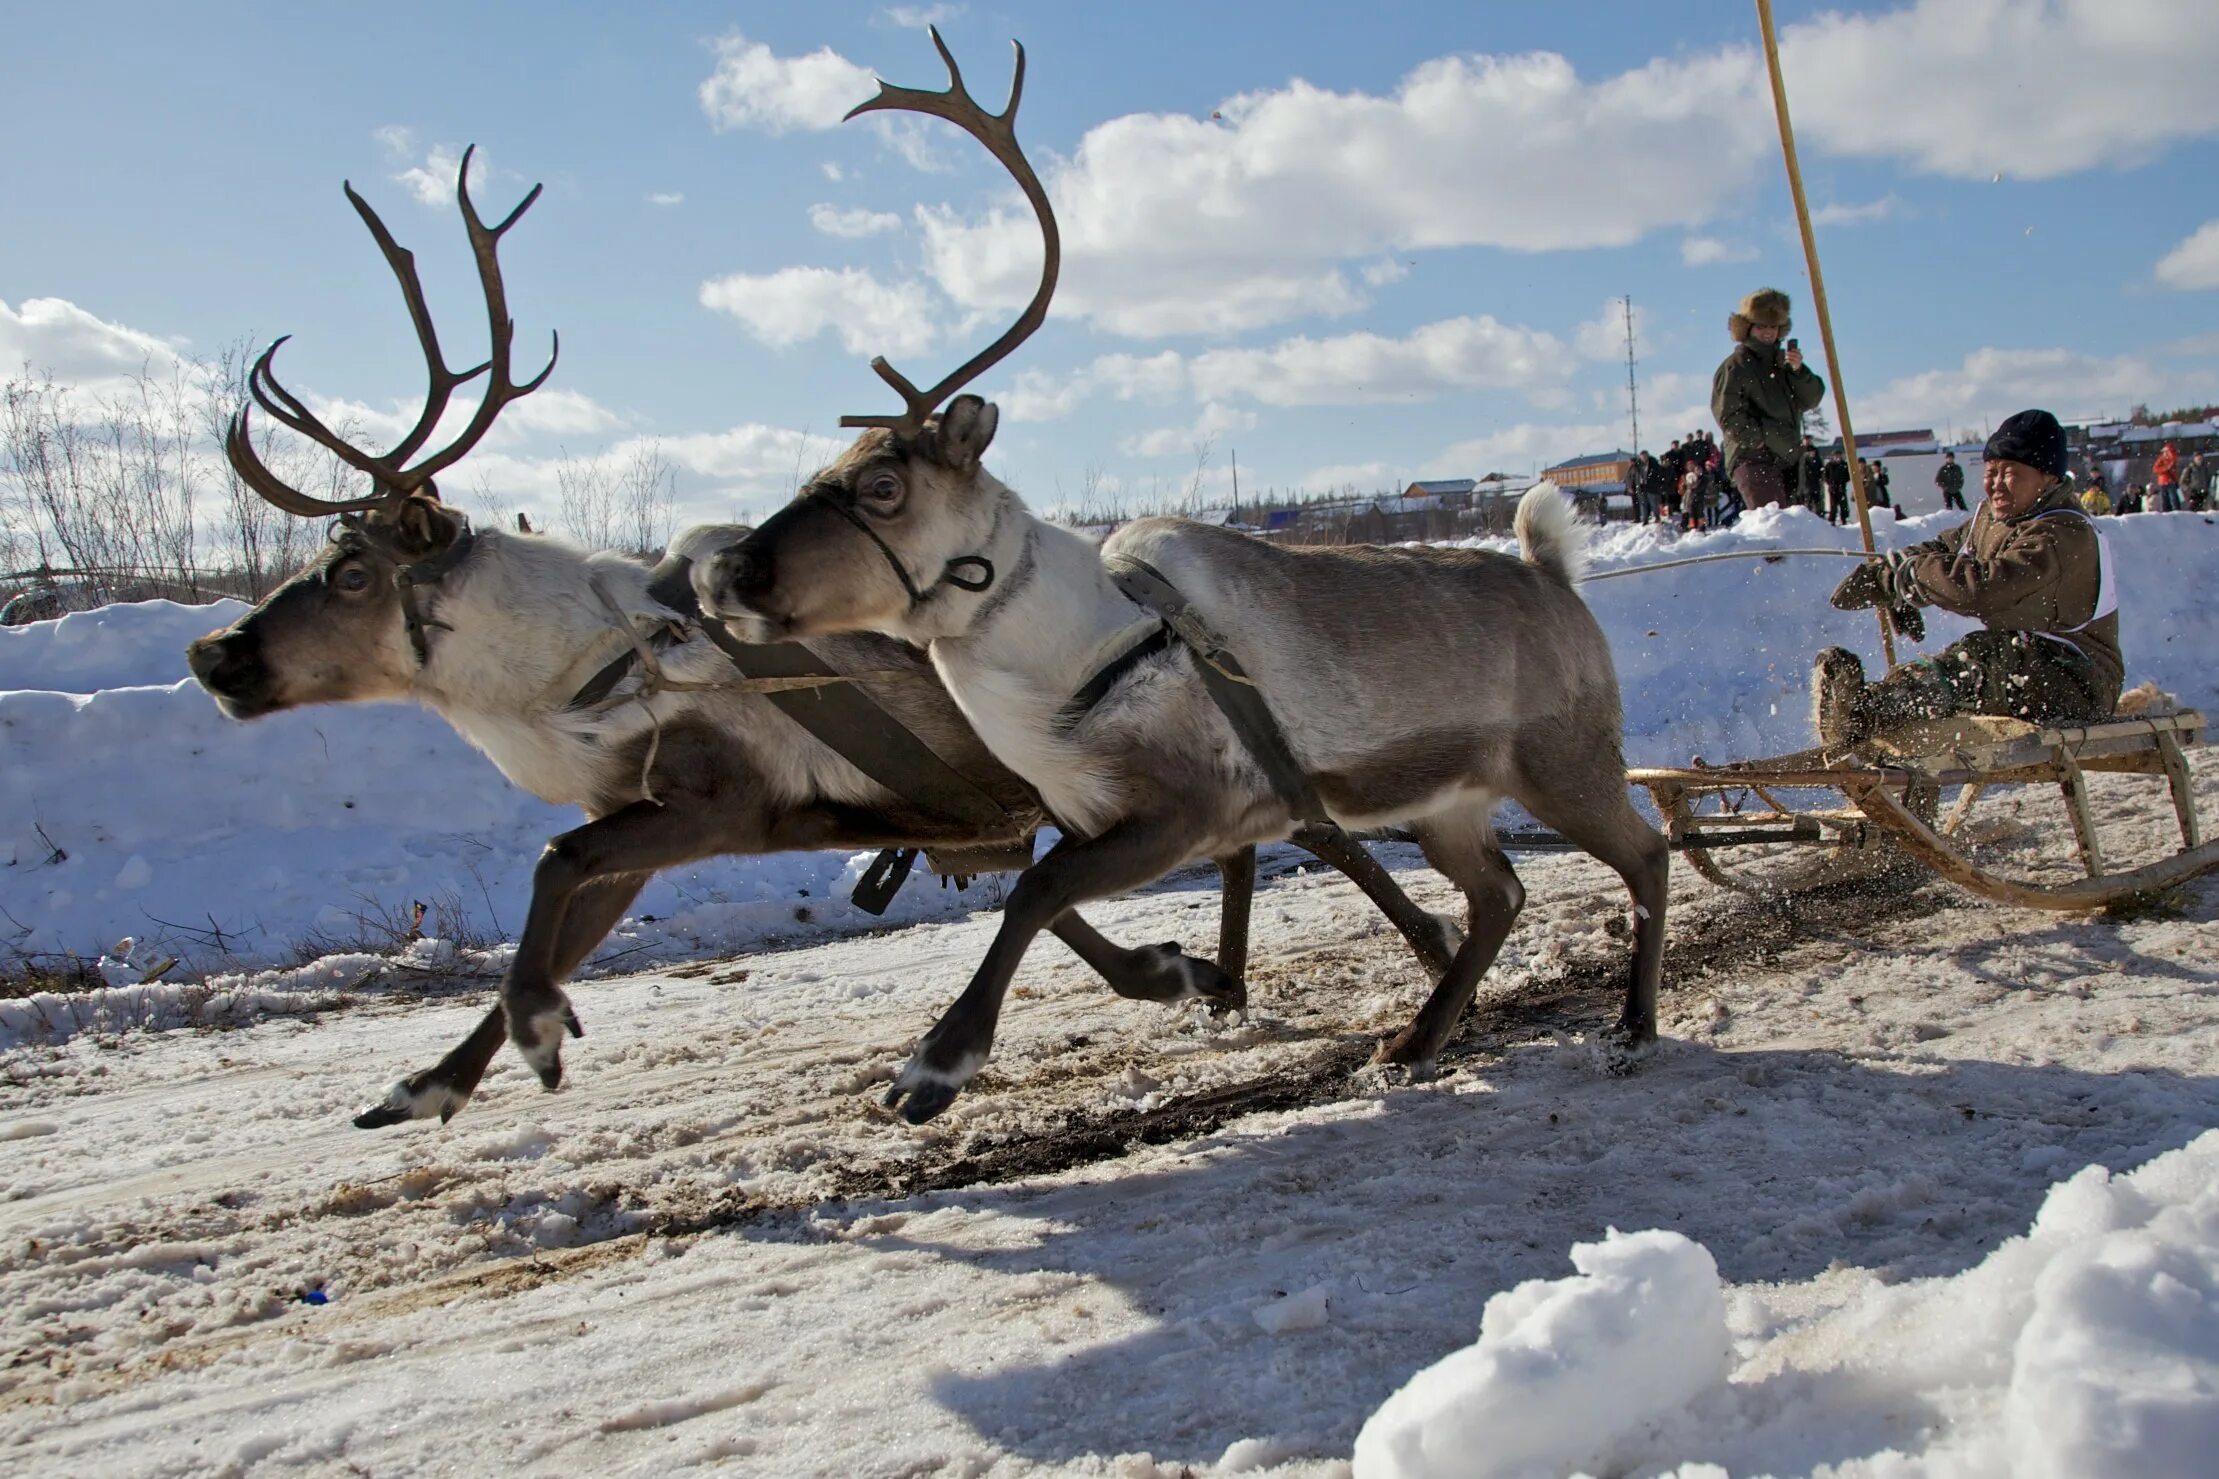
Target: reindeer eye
(351, 578)
(882, 487)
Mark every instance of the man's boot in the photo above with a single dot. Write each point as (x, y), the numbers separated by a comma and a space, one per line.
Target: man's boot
(1837, 698)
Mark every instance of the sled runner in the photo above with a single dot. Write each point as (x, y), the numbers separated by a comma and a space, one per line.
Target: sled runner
(1894, 786)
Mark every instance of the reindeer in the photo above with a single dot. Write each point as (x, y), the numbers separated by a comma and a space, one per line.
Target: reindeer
(582, 678)
(1396, 685)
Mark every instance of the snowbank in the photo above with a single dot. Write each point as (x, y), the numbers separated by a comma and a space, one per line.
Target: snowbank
(2088, 1346)
(130, 806)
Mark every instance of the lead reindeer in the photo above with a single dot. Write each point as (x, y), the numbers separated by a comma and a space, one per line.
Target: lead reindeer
(577, 674)
(1406, 685)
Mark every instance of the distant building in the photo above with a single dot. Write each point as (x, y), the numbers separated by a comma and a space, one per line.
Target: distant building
(1604, 472)
(1441, 488)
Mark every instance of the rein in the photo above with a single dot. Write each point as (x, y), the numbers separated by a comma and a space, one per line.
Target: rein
(1751, 554)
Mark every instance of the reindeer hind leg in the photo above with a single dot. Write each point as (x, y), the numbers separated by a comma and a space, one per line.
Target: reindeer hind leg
(1460, 843)
(1595, 816)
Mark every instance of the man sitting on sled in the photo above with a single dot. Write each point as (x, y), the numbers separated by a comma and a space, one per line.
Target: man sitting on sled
(2031, 567)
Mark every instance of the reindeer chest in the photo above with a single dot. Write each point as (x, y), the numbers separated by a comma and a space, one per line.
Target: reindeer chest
(562, 764)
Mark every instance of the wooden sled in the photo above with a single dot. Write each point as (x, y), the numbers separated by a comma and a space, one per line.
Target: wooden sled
(1893, 787)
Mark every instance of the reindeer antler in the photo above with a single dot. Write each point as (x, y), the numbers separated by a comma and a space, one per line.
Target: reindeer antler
(998, 132)
(393, 480)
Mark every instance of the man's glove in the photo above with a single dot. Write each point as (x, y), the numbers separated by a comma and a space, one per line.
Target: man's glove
(1884, 581)
(1899, 587)
(1862, 587)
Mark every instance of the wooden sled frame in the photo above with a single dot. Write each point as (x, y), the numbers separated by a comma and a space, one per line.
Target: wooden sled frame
(1893, 787)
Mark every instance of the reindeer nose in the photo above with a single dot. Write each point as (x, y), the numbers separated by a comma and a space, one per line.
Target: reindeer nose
(744, 574)
(226, 663)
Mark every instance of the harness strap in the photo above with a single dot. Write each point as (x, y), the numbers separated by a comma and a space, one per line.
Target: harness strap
(917, 597)
(1234, 692)
(424, 573)
(1096, 688)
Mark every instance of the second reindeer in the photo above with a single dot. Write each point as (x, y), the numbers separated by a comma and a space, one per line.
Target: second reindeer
(1185, 690)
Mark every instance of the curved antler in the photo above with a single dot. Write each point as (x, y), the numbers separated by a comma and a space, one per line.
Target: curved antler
(394, 481)
(998, 132)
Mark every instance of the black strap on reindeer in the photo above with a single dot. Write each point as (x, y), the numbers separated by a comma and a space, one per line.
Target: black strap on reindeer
(847, 721)
(1229, 685)
(842, 503)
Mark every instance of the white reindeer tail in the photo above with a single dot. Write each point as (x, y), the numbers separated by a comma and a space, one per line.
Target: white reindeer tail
(1549, 535)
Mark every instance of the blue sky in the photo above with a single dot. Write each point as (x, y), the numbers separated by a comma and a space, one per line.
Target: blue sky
(1353, 246)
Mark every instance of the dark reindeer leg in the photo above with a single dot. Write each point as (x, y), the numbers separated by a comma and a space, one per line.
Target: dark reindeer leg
(445, 1087)
(1433, 938)
(641, 838)
(1150, 972)
(1462, 848)
(1128, 855)
(1237, 895)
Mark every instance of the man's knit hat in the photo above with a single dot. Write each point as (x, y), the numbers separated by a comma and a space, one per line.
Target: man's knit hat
(2031, 437)
(1764, 306)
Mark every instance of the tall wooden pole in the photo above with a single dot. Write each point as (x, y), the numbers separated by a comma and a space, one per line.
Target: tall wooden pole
(1818, 300)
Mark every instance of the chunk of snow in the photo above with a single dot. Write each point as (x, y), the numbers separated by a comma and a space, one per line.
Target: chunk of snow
(1303, 1311)
(1563, 1368)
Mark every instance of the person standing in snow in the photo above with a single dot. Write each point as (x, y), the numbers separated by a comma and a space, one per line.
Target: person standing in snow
(1806, 487)
(2031, 566)
(2165, 476)
(2196, 483)
(1758, 396)
(1950, 478)
(2094, 501)
(1836, 475)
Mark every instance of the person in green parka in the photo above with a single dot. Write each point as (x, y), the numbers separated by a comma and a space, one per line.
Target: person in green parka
(1759, 396)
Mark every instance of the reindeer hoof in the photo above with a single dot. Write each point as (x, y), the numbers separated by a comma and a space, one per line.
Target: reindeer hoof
(922, 1103)
(1625, 1046)
(924, 1089)
(1172, 975)
(420, 1096)
(539, 1038)
(1404, 1051)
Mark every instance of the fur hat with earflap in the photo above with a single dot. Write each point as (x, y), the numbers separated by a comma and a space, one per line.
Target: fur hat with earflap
(1764, 306)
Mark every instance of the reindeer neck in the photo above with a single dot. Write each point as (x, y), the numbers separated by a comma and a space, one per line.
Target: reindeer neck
(517, 615)
(1060, 622)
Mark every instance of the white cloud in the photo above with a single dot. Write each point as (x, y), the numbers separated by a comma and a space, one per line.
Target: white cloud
(1194, 440)
(1358, 477)
(55, 335)
(833, 172)
(1887, 207)
(1467, 353)
(1173, 224)
(1603, 337)
(2195, 262)
(432, 181)
(1386, 270)
(1703, 251)
(666, 197)
(798, 303)
(1040, 395)
(2032, 88)
(833, 221)
(752, 88)
(917, 17)
(1992, 383)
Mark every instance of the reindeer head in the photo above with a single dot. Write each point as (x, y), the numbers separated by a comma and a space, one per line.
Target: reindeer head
(904, 517)
(351, 625)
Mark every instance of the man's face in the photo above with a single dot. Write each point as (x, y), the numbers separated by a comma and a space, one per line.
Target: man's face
(2013, 487)
(1765, 333)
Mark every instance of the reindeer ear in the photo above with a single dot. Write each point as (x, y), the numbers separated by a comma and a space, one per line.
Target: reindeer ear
(423, 526)
(962, 433)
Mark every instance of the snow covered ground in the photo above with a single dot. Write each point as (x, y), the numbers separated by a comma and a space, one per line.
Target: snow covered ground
(1861, 1221)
